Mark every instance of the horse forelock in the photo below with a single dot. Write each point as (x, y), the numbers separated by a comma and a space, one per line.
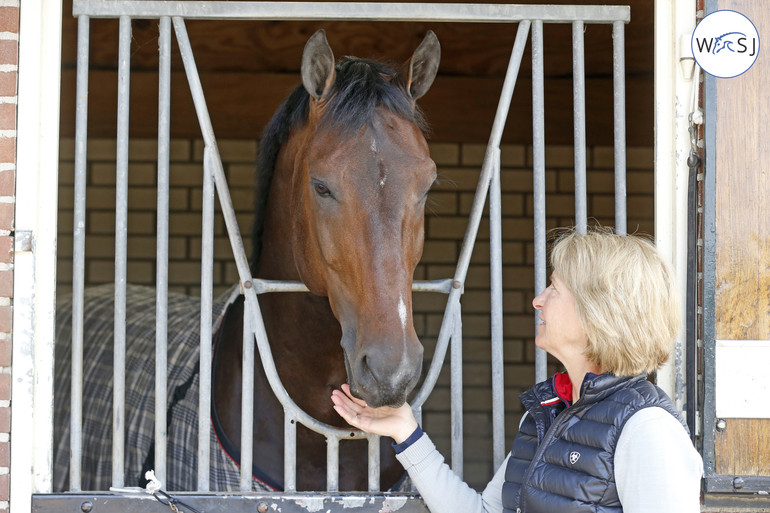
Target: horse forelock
(361, 86)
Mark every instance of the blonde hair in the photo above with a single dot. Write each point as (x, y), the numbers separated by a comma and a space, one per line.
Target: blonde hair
(626, 296)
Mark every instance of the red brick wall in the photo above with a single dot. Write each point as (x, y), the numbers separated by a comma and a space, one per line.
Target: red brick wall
(9, 51)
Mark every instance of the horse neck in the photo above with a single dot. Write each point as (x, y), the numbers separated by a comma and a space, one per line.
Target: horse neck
(276, 260)
(306, 366)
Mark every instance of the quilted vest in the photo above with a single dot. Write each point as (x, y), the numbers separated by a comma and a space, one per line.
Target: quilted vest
(563, 457)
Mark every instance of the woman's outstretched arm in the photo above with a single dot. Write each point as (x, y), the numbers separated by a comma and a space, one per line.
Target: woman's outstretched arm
(441, 489)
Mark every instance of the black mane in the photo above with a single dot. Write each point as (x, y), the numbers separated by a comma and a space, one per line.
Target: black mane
(360, 86)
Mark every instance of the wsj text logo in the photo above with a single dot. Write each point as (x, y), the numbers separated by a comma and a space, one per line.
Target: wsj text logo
(725, 44)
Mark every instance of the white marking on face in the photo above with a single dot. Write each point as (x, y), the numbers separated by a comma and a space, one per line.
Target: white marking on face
(402, 312)
(382, 181)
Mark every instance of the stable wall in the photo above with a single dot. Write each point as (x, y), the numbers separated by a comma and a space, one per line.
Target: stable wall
(248, 67)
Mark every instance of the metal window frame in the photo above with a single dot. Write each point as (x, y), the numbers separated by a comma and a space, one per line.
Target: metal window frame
(174, 13)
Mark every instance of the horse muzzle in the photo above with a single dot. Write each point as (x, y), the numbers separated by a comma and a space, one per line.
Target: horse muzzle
(382, 377)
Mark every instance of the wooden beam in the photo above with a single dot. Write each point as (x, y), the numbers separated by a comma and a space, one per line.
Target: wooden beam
(468, 49)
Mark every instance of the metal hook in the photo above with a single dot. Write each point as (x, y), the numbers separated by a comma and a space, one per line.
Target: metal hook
(172, 502)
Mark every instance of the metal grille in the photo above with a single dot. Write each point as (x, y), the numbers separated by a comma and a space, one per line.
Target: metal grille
(528, 17)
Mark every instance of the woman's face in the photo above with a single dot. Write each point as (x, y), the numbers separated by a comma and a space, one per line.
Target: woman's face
(559, 331)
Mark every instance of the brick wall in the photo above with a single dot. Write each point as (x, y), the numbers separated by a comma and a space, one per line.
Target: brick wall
(446, 219)
(9, 38)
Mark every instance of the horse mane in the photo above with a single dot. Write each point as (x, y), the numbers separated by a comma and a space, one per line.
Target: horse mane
(361, 85)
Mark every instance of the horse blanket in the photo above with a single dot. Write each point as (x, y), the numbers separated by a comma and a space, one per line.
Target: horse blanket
(183, 388)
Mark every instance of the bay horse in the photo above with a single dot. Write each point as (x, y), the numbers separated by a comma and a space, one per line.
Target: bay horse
(343, 176)
(344, 173)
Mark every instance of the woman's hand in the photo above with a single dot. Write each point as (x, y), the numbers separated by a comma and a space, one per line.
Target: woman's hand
(397, 423)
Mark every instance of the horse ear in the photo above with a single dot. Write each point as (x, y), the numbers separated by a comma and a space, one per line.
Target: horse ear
(423, 66)
(317, 65)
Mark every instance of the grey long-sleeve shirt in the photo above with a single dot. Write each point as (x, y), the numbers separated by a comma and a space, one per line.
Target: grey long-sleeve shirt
(656, 470)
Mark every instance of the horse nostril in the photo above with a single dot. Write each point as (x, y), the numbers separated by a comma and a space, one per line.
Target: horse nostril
(367, 375)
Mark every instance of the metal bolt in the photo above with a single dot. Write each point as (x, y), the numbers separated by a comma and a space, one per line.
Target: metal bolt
(738, 483)
(456, 284)
(721, 425)
(247, 284)
(86, 507)
(262, 507)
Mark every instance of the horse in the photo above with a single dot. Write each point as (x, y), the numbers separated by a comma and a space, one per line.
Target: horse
(344, 173)
(343, 177)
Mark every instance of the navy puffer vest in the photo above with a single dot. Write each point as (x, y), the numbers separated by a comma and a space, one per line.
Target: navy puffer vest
(563, 457)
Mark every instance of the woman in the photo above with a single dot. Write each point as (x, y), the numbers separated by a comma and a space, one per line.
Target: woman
(598, 437)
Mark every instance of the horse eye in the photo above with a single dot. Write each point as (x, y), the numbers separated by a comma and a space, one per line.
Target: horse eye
(321, 189)
(435, 183)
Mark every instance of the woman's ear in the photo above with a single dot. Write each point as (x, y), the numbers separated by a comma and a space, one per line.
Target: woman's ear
(318, 65)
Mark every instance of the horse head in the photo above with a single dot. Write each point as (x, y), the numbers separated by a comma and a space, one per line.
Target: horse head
(361, 175)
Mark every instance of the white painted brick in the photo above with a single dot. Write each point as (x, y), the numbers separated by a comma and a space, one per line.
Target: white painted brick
(241, 175)
(103, 173)
(230, 150)
(67, 148)
(66, 173)
(189, 223)
(441, 203)
(186, 174)
(473, 154)
(513, 155)
(103, 271)
(445, 154)
(188, 273)
(453, 179)
(104, 222)
(101, 149)
(243, 200)
(147, 150)
(439, 252)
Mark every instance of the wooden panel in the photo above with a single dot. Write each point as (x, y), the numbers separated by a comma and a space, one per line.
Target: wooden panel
(459, 109)
(743, 195)
(742, 449)
(469, 49)
(743, 236)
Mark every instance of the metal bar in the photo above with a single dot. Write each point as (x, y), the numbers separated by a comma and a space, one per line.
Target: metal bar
(121, 230)
(619, 91)
(247, 405)
(301, 502)
(362, 11)
(79, 255)
(476, 211)
(709, 275)
(161, 279)
(579, 125)
(456, 391)
(538, 181)
(207, 131)
(207, 287)
(496, 314)
(266, 286)
(691, 298)
(374, 462)
(289, 452)
(332, 464)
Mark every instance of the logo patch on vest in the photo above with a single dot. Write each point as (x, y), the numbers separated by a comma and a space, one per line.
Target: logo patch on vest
(573, 457)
